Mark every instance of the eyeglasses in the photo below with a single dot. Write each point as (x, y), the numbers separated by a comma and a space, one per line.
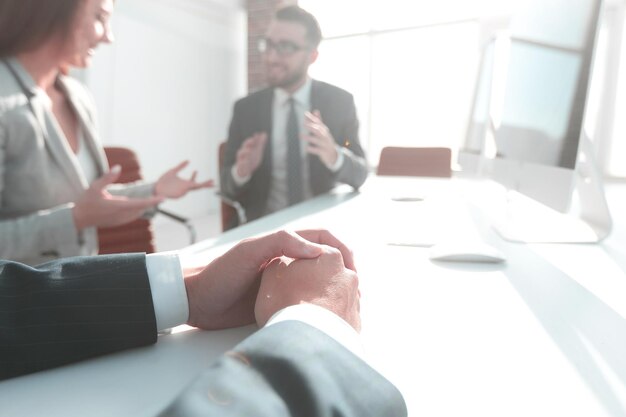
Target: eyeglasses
(282, 48)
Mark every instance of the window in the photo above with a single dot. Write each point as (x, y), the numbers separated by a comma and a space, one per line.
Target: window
(412, 67)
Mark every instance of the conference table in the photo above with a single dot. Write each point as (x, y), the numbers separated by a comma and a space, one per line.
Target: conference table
(542, 334)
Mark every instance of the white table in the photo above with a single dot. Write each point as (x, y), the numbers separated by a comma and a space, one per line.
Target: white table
(542, 335)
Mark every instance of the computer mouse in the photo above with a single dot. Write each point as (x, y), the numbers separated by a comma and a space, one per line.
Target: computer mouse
(465, 252)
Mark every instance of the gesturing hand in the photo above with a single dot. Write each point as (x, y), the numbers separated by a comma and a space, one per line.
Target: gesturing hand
(250, 154)
(223, 294)
(320, 141)
(96, 207)
(170, 185)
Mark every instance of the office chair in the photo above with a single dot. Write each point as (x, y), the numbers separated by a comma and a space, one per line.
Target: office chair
(138, 235)
(415, 162)
(229, 209)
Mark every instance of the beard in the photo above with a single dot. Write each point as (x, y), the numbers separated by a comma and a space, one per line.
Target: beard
(288, 79)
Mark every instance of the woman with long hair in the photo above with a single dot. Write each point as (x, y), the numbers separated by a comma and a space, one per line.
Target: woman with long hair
(55, 183)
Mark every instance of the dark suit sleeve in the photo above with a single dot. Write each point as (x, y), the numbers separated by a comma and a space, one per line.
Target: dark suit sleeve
(339, 114)
(251, 114)
(72, 309)
(234, 142)
(354, 169)
(289, 369)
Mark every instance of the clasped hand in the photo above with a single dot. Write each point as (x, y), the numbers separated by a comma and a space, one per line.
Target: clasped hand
(233, 289)
(319, 140)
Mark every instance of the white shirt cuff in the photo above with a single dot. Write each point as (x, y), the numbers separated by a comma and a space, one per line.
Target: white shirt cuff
(324, 320)
(238, 180)
(339, 161)
(169, 294)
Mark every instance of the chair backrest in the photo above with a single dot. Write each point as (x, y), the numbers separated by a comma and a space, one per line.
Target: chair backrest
(228, 212)
(416, 162)
(136, 236)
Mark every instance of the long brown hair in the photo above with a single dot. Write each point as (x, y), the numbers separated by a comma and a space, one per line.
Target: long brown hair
(25, 24)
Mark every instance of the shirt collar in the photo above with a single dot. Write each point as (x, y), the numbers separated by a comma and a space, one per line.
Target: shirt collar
(302, 95)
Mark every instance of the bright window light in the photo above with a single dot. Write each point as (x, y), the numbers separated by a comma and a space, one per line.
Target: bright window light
(411, 65)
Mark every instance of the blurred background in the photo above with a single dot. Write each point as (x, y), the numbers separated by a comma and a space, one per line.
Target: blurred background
(167, 85)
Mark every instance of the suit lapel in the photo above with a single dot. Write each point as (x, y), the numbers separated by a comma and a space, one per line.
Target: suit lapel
(315, 95)
(266, 111)
(55, 141)
(59, 148)
(315, 165)
(266, 117)
(88, 128)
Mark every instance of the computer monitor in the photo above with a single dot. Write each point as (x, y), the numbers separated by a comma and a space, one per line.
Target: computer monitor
(527, 124)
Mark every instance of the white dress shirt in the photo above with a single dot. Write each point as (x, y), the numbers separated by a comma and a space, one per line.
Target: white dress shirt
(278, 196)
(85, 159)
(171, 307)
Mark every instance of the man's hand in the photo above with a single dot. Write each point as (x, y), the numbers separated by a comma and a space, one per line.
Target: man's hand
(320, 141)
(323, 281)
(223, 294)
(250, 154)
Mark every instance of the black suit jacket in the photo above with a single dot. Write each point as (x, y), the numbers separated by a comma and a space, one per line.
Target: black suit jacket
(253, 114)
(76, 308)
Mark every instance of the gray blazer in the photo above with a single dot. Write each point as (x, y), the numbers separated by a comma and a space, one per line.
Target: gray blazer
(39, 175)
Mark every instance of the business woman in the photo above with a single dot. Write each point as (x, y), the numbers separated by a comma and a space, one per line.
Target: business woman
(55, 183)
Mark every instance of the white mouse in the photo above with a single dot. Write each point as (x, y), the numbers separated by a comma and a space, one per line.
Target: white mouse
(466, 252)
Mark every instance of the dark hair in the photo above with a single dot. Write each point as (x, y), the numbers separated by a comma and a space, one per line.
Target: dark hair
(299, 15)
(25, 24)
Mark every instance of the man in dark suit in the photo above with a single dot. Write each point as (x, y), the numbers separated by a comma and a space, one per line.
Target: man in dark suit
(301, 363)
(297, 138)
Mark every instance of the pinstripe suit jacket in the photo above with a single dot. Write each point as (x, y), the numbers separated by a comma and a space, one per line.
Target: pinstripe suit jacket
(253, 114)
(73, 309)
(39, 175)
(68, 310)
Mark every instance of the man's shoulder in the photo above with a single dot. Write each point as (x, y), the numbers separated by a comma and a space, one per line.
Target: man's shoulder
(331, 98)
(255, 97)
(325, 88)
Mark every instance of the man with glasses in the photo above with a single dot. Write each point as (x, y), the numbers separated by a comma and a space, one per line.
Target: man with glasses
(296, 138)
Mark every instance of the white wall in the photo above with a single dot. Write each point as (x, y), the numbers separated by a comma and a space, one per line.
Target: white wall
(167, 85)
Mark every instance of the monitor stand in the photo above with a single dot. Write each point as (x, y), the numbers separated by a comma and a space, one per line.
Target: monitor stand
(587, 221)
